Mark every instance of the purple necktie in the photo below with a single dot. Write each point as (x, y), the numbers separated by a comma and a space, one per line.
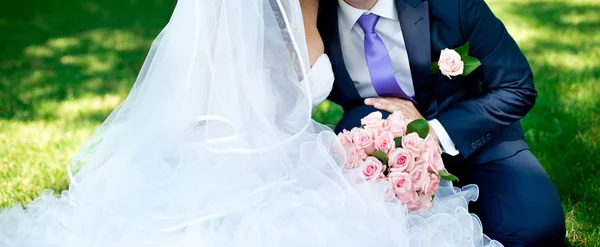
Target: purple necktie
(378, 61)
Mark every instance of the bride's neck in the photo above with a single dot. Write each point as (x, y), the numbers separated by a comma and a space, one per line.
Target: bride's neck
(362, 4)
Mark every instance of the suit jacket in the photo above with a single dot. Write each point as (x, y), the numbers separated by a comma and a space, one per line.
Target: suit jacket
(481, 111)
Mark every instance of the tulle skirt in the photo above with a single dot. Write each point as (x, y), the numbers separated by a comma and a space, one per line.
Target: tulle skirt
(173, 193)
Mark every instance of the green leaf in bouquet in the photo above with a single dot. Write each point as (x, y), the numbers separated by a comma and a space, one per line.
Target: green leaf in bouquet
(471, 64)
(380, 155)
(398, 142)
(463, 51)
(419, 126)
(448, 176)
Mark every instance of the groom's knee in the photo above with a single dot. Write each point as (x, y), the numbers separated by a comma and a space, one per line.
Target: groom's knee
(352, 117)
(529, 211)
(548, 230)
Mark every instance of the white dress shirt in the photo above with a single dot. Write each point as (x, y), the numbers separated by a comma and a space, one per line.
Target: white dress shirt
(388, 28)
(352, 41)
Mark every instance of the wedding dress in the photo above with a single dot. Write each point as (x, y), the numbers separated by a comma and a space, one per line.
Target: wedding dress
(214, 147)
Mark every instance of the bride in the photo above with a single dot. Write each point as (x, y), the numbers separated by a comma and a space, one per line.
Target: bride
(214, 146)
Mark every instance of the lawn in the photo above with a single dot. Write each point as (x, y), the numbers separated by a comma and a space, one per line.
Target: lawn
(65, 64)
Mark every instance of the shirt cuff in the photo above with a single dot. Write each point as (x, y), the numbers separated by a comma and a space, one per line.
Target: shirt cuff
(445, 141)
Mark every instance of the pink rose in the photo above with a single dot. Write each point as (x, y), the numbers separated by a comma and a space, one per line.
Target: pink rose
(352, 157)
(434, 184)
(385, 142)
(420, 175)
(375, 132)
(433, 159)
(362, 156)
(401, 182)
(396, 123)
(371, 168)
(364, 140)
(450, 63)
(401, 159)
(373, 121)
(409, 198)
(398, 115)
(425, 202)
(345, 138)
(382, 177)
(438, 163)
(414, 143)
(386, 125)
(373, 118)
(353, 132)
(430, 143)
(414, 206)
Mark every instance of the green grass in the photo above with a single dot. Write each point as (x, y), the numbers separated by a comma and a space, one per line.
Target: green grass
(65, 64)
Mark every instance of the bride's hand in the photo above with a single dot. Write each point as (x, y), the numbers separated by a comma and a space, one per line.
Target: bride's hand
(313, 38)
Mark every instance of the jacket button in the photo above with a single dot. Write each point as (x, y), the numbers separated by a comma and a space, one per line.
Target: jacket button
(473, 145)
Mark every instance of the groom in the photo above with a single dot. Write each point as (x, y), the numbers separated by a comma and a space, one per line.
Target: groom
(382, 52)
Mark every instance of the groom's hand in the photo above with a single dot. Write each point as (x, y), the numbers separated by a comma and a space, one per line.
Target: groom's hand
(395, 104)
(392, 105)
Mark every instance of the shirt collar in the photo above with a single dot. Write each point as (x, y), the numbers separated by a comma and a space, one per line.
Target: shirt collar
(383, 8)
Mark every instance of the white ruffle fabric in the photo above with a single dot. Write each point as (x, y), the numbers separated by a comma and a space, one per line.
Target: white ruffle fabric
(214, 147)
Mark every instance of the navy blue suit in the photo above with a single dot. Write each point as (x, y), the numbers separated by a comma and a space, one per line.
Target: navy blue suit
(518, 204)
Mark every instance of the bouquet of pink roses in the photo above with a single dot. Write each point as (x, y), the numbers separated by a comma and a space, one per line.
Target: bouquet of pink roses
(400, 151)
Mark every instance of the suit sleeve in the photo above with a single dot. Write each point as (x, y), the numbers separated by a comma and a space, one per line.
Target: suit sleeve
(508, 91)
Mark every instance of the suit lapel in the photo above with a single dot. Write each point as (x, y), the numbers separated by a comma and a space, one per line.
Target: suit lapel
(414, 20)
(333, 48)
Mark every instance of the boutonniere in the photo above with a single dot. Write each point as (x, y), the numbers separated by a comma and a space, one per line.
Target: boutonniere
(455, 62)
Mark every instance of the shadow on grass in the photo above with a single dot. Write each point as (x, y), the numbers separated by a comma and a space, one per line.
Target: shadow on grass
(67, 49)
(554, 109)
(563, 128)
(557, 15)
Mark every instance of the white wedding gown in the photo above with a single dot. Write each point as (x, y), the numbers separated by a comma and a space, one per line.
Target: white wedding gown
(214, 147)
